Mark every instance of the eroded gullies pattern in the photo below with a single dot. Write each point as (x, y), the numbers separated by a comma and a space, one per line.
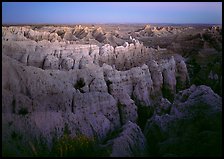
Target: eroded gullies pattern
(94, 82)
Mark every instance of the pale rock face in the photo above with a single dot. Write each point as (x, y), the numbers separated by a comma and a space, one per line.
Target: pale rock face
(144, 88)
(98, 84)
(156, 76)
(13, 33)
(67, 63)
(51, 62)
(34, 124)
(141, 93)
(84, 61)
(169, 80)
(106, 49)
(11, 79)
(124, 56)
(168, 69)
(126, 107)
(96, 112)
(24, 58)
(37, 58)
(136, 81)
(35, 83)
(72, 36)
(18, 103)
(126, 44)
(127, 81)
(13, 49)
(39, 36)
(182, 74)
(96, 107)
(107, 68)
(7, 101)
(94, 53)
(42, 77)
(130, 142)
(196, 99)
(120, 55)
(106, 54)
(163, 106)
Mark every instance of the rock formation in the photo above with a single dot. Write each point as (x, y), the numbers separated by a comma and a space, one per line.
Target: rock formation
(195, 118)
(130, 142)
(89, 81)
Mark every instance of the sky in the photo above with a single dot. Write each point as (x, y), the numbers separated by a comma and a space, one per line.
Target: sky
(111, 12)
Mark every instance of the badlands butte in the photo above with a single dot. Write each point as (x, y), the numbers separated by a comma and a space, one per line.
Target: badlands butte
(112, 90)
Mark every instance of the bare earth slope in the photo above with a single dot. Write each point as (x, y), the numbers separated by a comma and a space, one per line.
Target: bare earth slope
(117, 85)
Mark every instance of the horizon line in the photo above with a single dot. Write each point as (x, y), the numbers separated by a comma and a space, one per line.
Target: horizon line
(80, 23)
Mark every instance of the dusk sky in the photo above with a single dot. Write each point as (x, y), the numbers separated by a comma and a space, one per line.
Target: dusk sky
(112, 12)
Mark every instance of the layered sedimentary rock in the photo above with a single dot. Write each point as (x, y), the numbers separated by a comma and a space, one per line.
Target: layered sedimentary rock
(94, 83)
(39, 97)
(48, 75)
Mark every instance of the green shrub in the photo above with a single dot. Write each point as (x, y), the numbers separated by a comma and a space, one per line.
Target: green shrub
(23, 111)
(80, 84)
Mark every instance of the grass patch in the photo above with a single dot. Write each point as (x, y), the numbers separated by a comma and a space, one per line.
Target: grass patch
(64, 146)
(16, 136)
(68, 146)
